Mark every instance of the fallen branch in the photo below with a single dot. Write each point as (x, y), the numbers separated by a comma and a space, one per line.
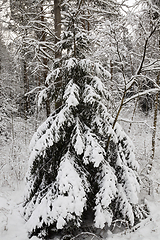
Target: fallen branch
(136, 227)
(94, 236)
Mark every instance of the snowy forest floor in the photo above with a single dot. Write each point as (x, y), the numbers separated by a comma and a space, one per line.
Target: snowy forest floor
(12, 225)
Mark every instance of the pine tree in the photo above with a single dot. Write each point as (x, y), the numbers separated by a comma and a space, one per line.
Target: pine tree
(79, 163)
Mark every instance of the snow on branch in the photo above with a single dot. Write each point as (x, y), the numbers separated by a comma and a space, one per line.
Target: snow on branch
(54, 74)
(125, 206)
(71, 95)
(43, 96)
(133, 121)
(78, 139)
(33, 90)
(64, 201)
(93, 152)
(125, 150)
(152, 90)
(40, 131)
(101, 71)
(86, 64)
(129, 84)
(90, 96)
(131, 186)
(71, 63)
(107, 192)
(100, 87)
(50, 132)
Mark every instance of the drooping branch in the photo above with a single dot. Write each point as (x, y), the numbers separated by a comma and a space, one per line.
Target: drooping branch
(152, 90)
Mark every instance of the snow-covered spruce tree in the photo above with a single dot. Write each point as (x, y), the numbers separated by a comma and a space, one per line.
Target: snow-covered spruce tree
(79, 164)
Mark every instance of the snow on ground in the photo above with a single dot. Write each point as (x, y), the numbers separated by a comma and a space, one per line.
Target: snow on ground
(148, 229)
(12, 225)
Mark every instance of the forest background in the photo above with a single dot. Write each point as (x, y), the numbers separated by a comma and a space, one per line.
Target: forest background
(125, 39)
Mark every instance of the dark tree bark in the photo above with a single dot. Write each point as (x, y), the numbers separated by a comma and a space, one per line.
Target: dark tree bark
(45, 61)
(58, 53)
(26, 85)
(57, 25)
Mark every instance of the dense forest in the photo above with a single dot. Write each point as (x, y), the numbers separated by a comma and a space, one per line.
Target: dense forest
(79, 119)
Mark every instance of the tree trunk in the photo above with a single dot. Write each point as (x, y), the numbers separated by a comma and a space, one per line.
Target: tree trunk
(155, 115)
(155, 120)
(26, 86)
(58, 53)
(45, 61)
(111, 69)
(57, 25)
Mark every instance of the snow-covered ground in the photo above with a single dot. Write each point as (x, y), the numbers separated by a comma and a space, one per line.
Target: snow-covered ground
(12, 225)
(148, 229)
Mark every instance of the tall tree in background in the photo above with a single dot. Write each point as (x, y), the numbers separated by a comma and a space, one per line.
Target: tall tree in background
(156, 17)
(19, 18)
(80, 165)
(35, 42)
(148, 45)
(58, 51)
(134, 57)
(43, 38)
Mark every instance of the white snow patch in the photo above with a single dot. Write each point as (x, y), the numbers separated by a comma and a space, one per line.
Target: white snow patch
(10, 208)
